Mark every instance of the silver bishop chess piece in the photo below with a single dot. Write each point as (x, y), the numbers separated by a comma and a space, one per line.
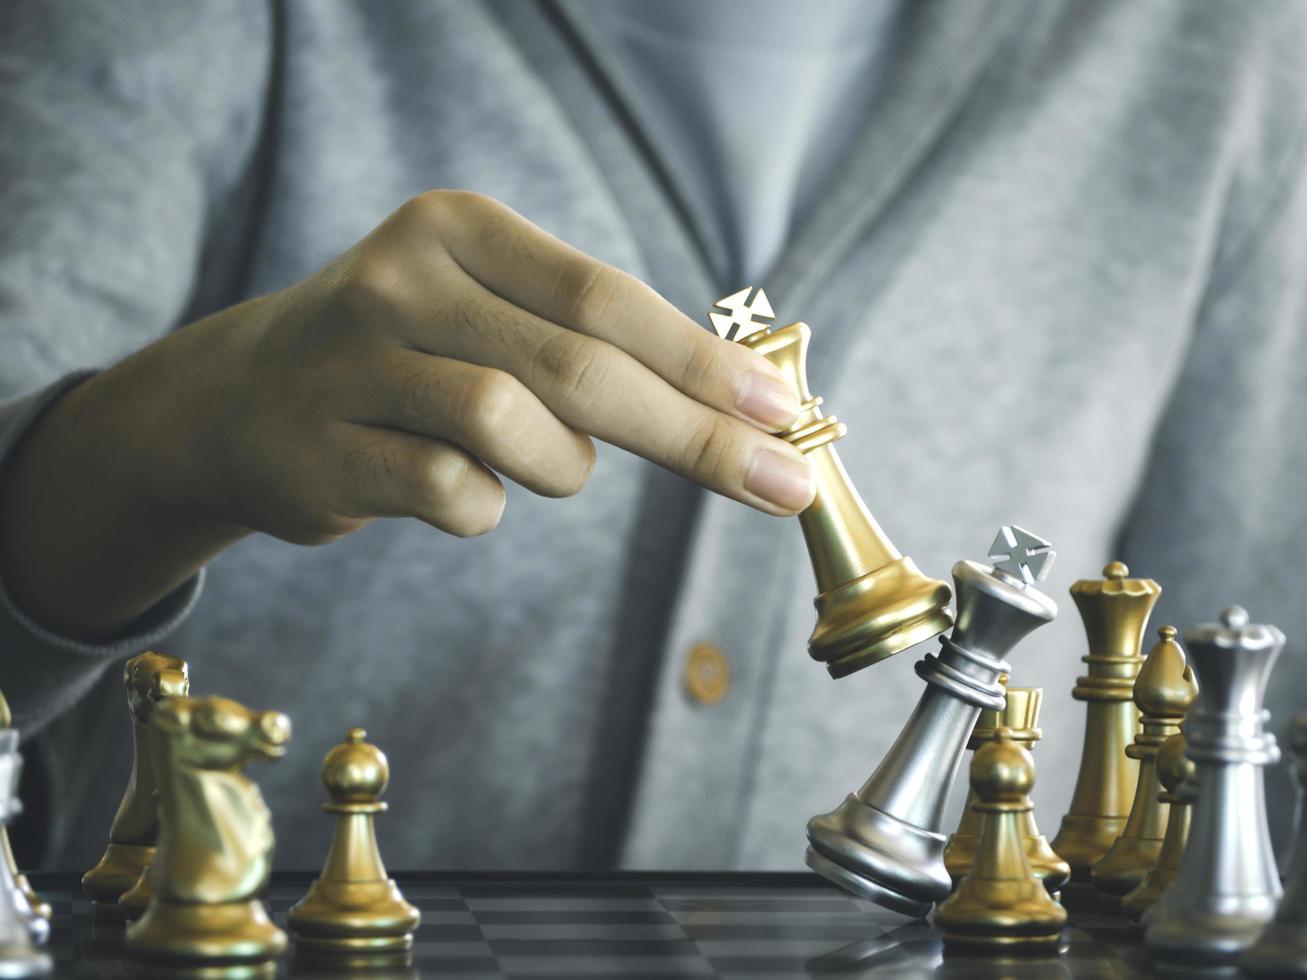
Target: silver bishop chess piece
(884, 843)
(19, 955)
(1227, 886)
(1281, 950)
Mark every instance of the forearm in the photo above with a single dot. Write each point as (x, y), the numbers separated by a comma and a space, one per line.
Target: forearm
(98, 515)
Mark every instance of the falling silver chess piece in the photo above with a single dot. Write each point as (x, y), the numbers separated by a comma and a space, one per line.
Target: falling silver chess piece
(1227, 885)
(884, 842)
(1281, 950)
(19, 956)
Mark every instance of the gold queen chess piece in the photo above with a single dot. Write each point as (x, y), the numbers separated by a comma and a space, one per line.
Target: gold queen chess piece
(1020, 716)
(150, 679)
(215, 842)
(1115, 611)
(872, 601)
(354, 912)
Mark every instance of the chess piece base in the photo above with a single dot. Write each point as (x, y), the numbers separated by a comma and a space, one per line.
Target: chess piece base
(1280, 951)
(363, 917)
(879, 857)
(1196, 936)
(232, 936)
(878, 615)
(136, 900)
(116, 872)
(23, 962)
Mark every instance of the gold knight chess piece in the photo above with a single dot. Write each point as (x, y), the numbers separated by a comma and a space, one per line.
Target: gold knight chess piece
(354, 911)
(872, 600)
(39, 909)
(1115, 611)
(1020, 716)
(1001, 904)
(150, 679)
(215, 842)
(1164, 690)
(1173, 770)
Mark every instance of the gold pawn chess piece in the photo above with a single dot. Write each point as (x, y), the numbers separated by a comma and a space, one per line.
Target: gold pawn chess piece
(1164, 690)
(215, 843)
(354, 910)
(38, 906)
(872, 600)
(150, 679)
(1020, 716)
(1115, 611)
(1000, 905)
(1173, 770)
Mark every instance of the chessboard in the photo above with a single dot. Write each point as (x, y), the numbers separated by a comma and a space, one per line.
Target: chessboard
(730, 925)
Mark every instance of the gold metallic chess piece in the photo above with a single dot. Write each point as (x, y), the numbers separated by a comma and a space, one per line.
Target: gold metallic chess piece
(215, 842)
(1173, 769)
(354, 910)
(38, 907)
(1000, 904)
(1020, 717)
(150, 679)
(1164, 690)
(1115, 612)
(872, 601)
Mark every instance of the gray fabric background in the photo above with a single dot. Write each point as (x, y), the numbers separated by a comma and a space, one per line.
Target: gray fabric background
(1059, 282)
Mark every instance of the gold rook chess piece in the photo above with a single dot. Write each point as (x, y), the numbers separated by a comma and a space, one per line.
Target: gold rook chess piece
(1115, 612)
(150, 679)
(215, 842)
(872, 601)
(1020, 716)
(354, 911)
(1164, 690)
(36, 909)
(1173, 770)
(1001, 905)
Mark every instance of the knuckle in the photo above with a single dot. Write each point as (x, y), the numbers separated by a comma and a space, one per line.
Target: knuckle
(589, 291)
(373, 282)
(490, 404)
(443, 478)
(701, 363)
(573, 365)
(708, 448)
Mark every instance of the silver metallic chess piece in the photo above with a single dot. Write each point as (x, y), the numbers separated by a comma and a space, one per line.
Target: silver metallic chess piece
(19, 956)
(1281, 950)
(884, 842)
(1227, 886)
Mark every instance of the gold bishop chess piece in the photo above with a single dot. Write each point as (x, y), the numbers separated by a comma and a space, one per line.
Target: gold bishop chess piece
(872, 600)
(215, 843)
(1173, 770)
(31, 906)
(1164, 690)
(1001, 905)
(1115, 611)
(354, 911)
(150, 679)
(1020, 716)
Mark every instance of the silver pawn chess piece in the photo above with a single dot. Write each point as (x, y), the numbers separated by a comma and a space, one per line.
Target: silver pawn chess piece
(1281, 950)
(1227, 885)
(19, 957)
(884, 842)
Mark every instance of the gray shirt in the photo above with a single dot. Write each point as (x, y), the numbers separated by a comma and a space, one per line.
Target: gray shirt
(1058, 280)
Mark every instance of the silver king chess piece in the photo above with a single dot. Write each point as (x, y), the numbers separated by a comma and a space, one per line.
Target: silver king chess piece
(1281, 950)
(1227, 886)
(884, 842)
(19, 955)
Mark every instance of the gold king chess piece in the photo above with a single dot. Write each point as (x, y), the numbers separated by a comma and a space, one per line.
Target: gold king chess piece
(1115, 611)
(215, 843)
(1164, 690)
(872, 601)
(354, 912)
(1173, 770)
(1001, 904)
(31, 906)
(1020, 716)
(150, 679)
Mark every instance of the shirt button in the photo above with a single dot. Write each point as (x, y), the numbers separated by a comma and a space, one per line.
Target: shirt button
(707, 674)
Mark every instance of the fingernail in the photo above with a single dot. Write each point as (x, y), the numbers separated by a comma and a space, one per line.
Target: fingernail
(767, 400)
(780, 480)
